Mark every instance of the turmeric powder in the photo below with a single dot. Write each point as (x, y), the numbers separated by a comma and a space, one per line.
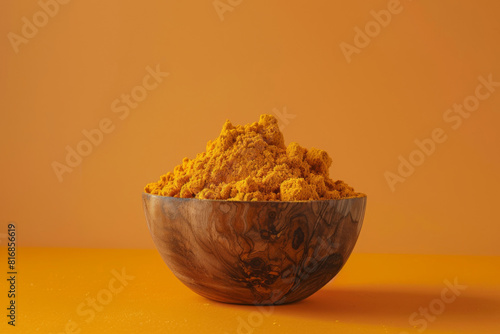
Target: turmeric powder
(252, 163)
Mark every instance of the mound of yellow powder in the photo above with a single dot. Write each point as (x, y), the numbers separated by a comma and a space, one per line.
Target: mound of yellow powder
(252, 163)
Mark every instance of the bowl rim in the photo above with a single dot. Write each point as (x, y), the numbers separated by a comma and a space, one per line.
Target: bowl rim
(364, 196)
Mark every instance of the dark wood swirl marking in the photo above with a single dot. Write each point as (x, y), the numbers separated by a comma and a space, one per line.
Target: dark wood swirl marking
(254, 252)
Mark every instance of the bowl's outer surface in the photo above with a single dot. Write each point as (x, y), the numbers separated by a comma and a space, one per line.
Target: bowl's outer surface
(254, 252)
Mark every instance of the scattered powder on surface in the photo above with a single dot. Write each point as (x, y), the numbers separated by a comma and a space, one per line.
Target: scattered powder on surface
(252, 163)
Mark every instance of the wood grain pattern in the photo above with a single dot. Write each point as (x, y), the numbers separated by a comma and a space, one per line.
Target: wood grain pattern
(254, 252)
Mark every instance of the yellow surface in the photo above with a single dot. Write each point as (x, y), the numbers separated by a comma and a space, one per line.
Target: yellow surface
(372, 294)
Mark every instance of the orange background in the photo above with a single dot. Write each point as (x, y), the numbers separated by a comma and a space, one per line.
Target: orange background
(264, 55)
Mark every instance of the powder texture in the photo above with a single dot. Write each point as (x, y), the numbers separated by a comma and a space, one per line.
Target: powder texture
(252, 163)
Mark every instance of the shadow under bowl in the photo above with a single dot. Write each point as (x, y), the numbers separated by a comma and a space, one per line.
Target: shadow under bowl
(256, 253)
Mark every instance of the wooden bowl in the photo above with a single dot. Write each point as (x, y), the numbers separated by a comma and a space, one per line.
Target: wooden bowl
(254, 252)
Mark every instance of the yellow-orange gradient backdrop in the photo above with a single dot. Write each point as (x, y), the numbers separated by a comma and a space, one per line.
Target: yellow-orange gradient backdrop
(404, 95)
